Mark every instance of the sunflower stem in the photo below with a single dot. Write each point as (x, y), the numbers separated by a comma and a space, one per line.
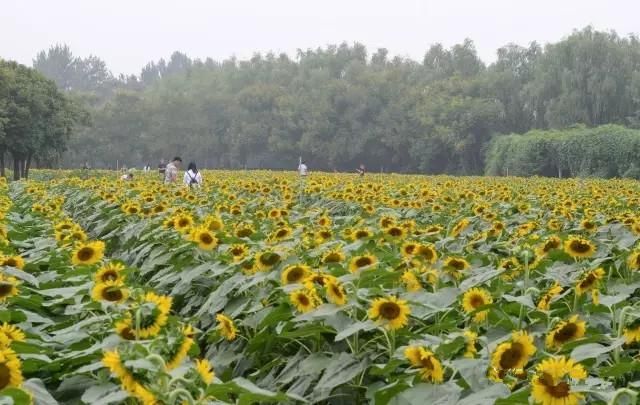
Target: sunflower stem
(624, 392)
(621, 320)
(181, 392)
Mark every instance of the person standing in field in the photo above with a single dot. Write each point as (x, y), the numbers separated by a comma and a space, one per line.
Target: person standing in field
(303, 171)
(192, 177)
(171, 171)
(361, 170)
(162, 167)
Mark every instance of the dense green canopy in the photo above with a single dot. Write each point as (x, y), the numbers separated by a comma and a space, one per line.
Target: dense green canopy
(340, 106)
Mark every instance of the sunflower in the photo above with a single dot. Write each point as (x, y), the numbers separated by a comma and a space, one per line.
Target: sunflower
(475, 298)
(182, 223)
(155, 314)
(323, 235)
(88, 253)
(459, 227)
(454, 266)
(10, 333)
(632, 334)
(550, 385)
(226, 327)
(633, 261)
(13, 261)
(113, 291)
(238, 251)
(178, 356)
(205, 371)
(411, 281)
(395, 232)
(590, 281)
(204, 238)
(427, 252)
(109, 272)
(588, 225)
(321, 278)
(112, 360)
(281, 233)
(10, 369)
(545, 301)
(551, 243)
(335, 293)
(391, 312)
(7, 287)
(430, 367)
(409, 249)
(579, 248)
(324, 221)
(471, 340)
(305, 299)
(564, 332)
(333, 256)
(512, 356)
(362, 262)
(267, 259)
(125, 329)
(294, 273)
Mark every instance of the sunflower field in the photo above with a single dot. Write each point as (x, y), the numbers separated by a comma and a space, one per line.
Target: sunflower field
(264, 288)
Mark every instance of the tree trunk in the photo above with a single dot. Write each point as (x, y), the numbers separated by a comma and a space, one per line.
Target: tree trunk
(27, 165)
(2, 163)
(16, 168)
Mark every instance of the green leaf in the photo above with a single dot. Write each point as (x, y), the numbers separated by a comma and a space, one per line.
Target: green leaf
(18, 396)
(353, 328)
(486, 396)
(593, 350)
(40, 394)
(435, 394)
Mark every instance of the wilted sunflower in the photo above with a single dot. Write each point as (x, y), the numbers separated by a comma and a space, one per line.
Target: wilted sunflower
(551, 384)
(112, 360)
(633, 261)
(430, 367)
(88, 253)
(564, 332)
(10, 369)
(156, 316)
(427, 252)
(305, 299)
(226, 327)
(590, 282)
(579, 248)
(7, 287)
(110, 291)
(459, 227)
(512, 356)
(362, 262)
(15, 261)
(545, 301)
(411, 281)
(205, 371)
(333, 256)
(294, 273)
(204, 238)
(391, 312)
(475, 298)
(335, 293)
(471, 340)
(180, 352)
(109, 272)
(267, 259)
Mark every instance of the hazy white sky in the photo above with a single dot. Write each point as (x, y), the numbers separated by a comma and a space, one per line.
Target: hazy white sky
(129, 33)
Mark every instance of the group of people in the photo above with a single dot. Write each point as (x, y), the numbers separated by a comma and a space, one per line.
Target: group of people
(169, 172)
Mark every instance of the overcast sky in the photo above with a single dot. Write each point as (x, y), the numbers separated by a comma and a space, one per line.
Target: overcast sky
(129, 33)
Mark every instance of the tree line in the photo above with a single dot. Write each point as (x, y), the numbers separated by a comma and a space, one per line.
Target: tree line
(342, 105)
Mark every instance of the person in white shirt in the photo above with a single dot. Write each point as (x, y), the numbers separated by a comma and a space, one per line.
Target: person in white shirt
(192, 177)
(171, 171)
(302, 169)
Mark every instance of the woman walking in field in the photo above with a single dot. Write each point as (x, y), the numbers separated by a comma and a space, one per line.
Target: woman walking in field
(192, 177)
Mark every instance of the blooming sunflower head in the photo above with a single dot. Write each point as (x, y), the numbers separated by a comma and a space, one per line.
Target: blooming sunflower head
(15, 261)
(475, 298)
(267, 259)
(427, 252)
(87, 253)
(113, 291)
(294, 273)
(10, 369)
(333, 256)
(335, 292)
(205, 371)
(362, 262)
(514, 354)
(564, 332)
(552, 381)
(110, 272)
(391, 312)
(430, 367)
(8, 287)
(579, 248)
(204, 238)
(226, 327)
(305, 299)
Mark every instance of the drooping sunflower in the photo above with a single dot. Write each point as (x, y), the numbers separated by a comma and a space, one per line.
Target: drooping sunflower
(8, 287)
(304, 299)
(294, 273)
(512, 356)
(109, 272)
(10, 369)
(551, 384)
(590, 282)
(390, 312)
(454, 266)
(113, 291)
(15, 261)
(411, 281)
(125, 329)
(226, 327)
(545, 301)
(551, 243)
(204, 238)
(267, 259)
(475, 298)
(333, 256)
(244, 230)
(321, 278)
(579, 248)
(362, 262)
(429, 365)
(87, 253)
(564, 332)
(180, 353)
(155, 314)
(112, 360)
(335, 293)
(632, 333)
(633, 261)
(459, 227)
(205, 371)
(471, 340)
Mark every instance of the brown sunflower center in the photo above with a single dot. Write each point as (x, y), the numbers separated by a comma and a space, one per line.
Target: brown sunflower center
(109, 275)
(560, 390)
(427, 363)
(389, 310)
(11, 262)
(335, 290)
(86, 254)
(303, 300)
(282, 233)
(456, 264)
(512, 356)
(363, 261)
(295, 274)
(566, 333)
(361, 234)
(588, 281)
(183, 223)
(127, 333)
(332, 257)
(395, 231)
(476, 301)
(206, 238)
(269, 258)
(579, 246)
(112, 294)
(5, 376)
